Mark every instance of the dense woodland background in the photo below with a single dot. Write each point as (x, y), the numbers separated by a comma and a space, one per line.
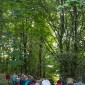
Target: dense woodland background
(44, 38)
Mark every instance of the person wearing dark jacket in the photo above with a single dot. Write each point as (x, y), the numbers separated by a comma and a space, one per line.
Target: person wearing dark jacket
(8, 77)
(63, 83)
(51, 81)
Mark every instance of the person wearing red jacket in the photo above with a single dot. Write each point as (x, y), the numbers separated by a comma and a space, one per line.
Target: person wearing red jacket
(8, 77)
(59, 82)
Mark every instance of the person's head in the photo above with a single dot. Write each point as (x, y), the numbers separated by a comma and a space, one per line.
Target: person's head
(18, 75)
(22, 77)
(70, 80)
(33, 81)
(26, 78)
(74, 81)
(79, 79)
(51, 81)
(45, 82)
(14, 74)
(60, 78)
(38, 81)
(59, 81)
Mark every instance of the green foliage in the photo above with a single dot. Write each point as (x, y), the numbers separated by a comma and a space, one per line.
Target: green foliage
(15, 63)
(49, 30)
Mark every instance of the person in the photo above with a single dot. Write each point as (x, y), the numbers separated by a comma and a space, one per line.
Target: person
(29, 82)
(13, 78)
(8, 77)
(63, 83)
(37, 82)
(51, 81)
(17, 80)
(30, 79)
(33, 82)
(22, 80)
(79, 81)
(70, 81)
(59, 82)
(45, 82)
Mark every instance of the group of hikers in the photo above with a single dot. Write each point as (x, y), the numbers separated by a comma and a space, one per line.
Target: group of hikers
(22, 79)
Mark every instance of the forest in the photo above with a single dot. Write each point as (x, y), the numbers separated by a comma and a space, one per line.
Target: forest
(45, 38)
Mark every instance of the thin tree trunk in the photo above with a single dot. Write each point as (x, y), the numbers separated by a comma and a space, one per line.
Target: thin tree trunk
(44, 69)
(62, 29)
(25, 57)
(40, 56)
(7, 59)
(75, 42)
(75, 29)
(25, 51)
(20, 53)
(1, 28)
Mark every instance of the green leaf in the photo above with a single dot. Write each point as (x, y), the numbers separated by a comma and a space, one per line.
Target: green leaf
(79, 10)
(60, 7)
(66, 5)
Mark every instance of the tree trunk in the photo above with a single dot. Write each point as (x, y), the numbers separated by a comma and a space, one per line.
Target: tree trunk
(20, 47)
(61, 31)
(25, 51)
(1, 28)
(75, 58)
(40, 56)
(44, 71)
(61, 28)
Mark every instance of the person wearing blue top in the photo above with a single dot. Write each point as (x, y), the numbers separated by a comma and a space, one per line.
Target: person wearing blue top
(22, 82)
(26, 83)
(79, 82)
(29, 83)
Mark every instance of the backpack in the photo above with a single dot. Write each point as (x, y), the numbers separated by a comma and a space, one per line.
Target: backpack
(17, 80)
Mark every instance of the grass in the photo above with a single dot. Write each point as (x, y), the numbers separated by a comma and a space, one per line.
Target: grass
(3, 82)
(2, 74)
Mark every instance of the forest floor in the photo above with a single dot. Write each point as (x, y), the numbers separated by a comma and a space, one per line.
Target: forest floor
(3, 80)
(2, 77)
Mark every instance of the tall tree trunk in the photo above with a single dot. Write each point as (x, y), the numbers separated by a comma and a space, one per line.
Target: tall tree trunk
(7, 58)
(25, 51)
(75, 58)
(40, 56)
(67, 37)
(30, 52)
(20, 47)
(25, 57)
(61, 28)
(1, 27)
(61, 37)
(21, 67)
(44, 69)
(30, 56)
(75, 29)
